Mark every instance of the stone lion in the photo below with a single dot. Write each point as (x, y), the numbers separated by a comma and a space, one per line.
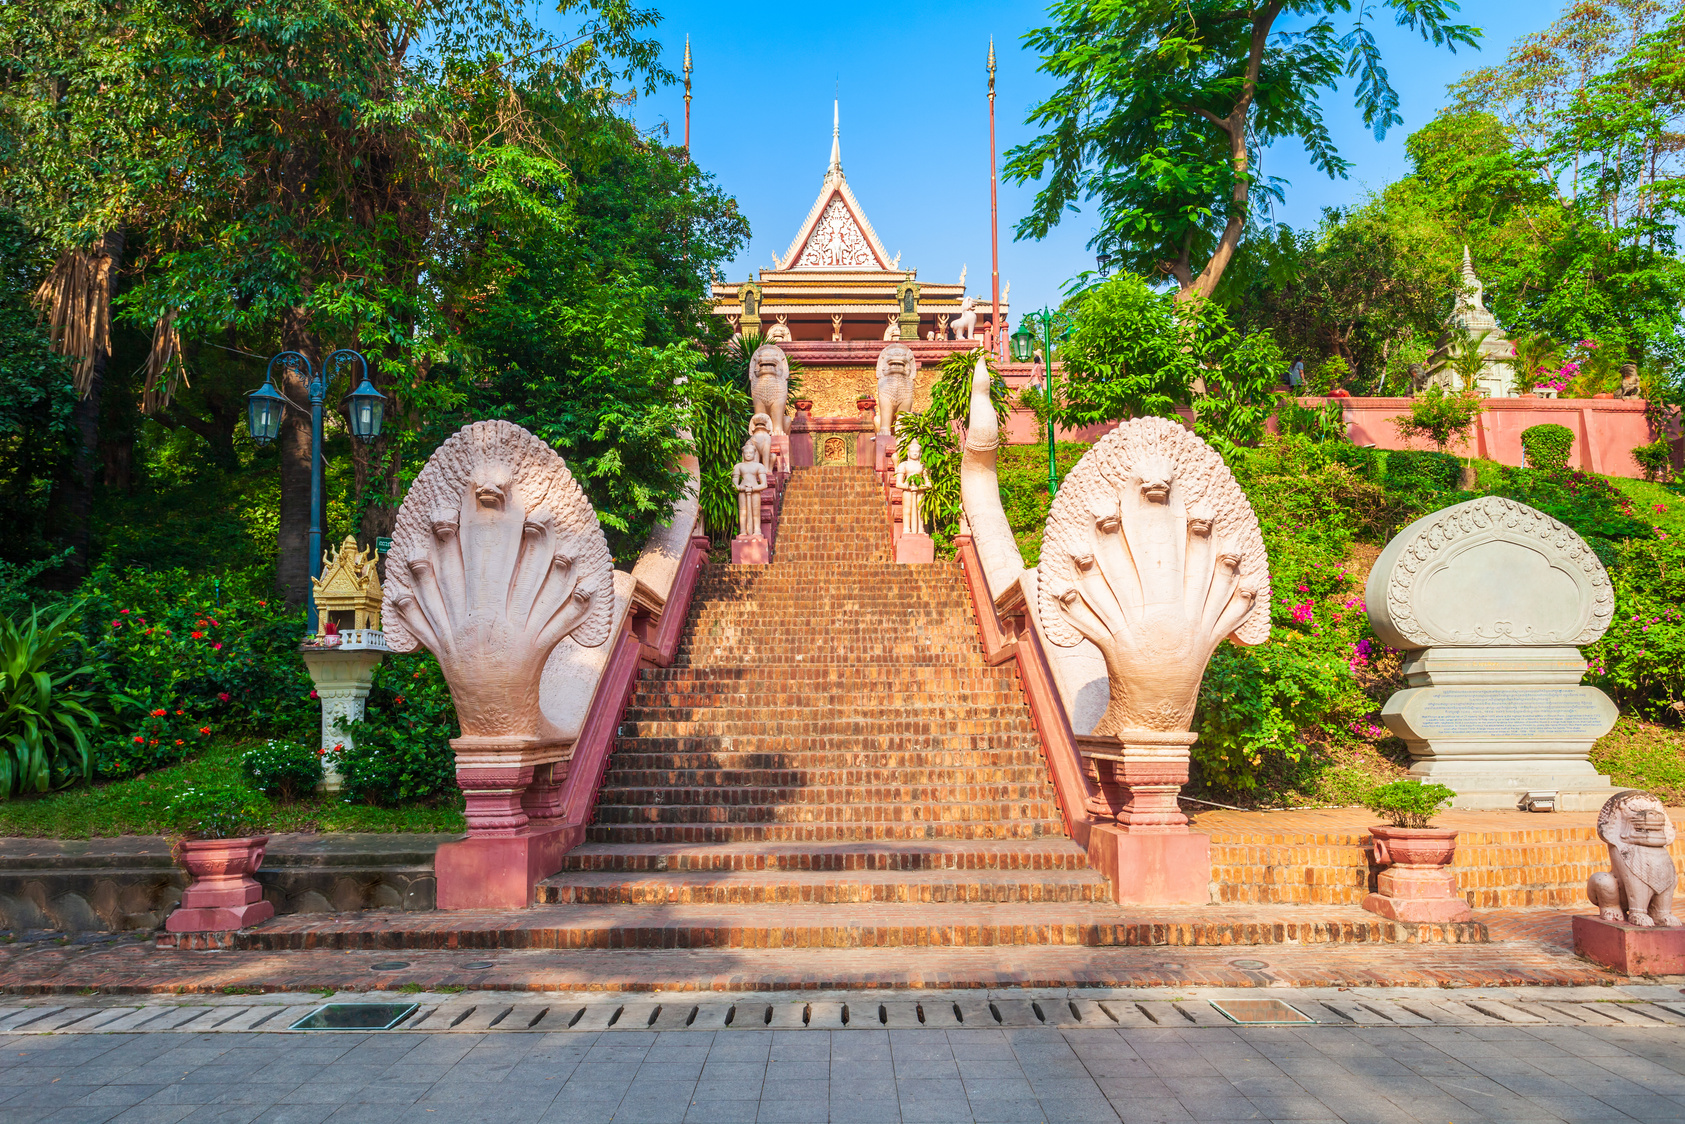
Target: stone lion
(1639, 888)
(898, 372)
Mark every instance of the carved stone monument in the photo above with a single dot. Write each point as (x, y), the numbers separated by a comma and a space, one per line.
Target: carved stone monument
(913, 545)
(1152, 554)
(748, 478)
(897, 371)
(1490, 599)
(496, 557)
(769, 383)
(965, 324)
(1636, 930)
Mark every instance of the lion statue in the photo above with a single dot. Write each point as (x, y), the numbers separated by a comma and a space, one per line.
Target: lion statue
(769, 383)
(898, 370)
(1639, 888)
(965, 324)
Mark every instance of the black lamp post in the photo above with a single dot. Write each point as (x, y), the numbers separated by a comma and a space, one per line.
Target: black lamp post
(266, 404)
(1054, 325)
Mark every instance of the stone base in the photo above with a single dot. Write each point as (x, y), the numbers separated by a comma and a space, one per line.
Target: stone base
(915, 549)
(1630, 949)
(1414, 893)
(1152, 869)
(750, 550)
(1578, 789)
(883, 452)
(219, 918)
(499, 871)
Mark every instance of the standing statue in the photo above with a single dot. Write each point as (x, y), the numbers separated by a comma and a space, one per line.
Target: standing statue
(1638, 889)
(1631, 387)
(965, 324)
(769, 383)
(749, 478)
(910, 478)
(893, 331)
(897, 370)
(760, 435)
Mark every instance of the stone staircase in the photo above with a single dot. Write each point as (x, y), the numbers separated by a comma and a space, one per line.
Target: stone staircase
(829, 737)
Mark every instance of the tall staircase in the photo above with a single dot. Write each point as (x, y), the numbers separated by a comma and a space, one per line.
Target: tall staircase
(829, 738)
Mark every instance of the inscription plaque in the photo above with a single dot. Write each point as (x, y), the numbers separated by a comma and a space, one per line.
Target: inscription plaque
(1516, 712)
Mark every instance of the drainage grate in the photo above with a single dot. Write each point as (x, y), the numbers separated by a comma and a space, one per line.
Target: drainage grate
(1254, 1011)
(389, 966)
(478, 965)
(356, 1016)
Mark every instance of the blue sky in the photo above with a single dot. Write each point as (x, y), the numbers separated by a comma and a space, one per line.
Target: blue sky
(915, 131)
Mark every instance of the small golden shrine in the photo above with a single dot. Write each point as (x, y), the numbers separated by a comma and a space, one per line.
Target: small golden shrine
(348, 592)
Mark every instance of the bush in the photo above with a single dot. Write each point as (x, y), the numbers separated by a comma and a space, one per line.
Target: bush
(157, 738)
(1547, 447)
(1442, 418)
(44, 722)
(401, 751)
(1655, 459)
(229, 811)
(1407, 803)
(1641, 658)
(284, 769)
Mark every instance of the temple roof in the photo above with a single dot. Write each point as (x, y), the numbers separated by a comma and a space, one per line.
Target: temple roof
(836, 233)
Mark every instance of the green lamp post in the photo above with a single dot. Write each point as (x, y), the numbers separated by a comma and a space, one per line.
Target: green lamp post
(1054, 326)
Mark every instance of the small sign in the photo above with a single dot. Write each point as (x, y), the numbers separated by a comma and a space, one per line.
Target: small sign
(383, 545)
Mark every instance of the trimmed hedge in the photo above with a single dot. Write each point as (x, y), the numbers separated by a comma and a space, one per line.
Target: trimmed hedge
(1547, 447)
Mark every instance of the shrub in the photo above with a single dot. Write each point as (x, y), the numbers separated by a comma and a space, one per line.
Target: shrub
(1440, 417)
(1407, 803)
(228, 811)
(156, 738)
(1641, 658)
(1655, 459)
(1326, 375)
(285, 769)
(401, 751)
(44, 722)
(1547, 447)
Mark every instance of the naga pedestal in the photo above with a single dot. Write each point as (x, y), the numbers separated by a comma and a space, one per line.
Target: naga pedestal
(516, 834)
(1147, 852)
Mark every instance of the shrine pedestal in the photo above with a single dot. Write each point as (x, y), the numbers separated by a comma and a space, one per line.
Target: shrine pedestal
(1152, 869)
(915, 549)
(1630, 949)
(499, 871)
(343, 677)
(750, 550)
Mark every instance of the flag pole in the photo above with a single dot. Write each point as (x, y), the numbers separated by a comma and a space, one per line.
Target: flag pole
(994, 214)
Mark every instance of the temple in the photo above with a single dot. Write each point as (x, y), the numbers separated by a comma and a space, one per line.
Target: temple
(837, 296)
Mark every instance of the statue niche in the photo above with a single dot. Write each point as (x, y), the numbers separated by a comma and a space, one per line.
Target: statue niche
(897, 371)
(1638, 887)
(769, 383)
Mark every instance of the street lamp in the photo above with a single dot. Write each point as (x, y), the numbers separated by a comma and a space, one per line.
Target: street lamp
(266, 404)
(1055, 326)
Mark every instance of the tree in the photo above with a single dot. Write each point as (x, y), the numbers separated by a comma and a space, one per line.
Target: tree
(1165, 106)
(1442, 418)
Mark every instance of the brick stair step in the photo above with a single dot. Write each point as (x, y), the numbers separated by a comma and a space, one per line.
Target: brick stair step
(825, 887)
(821, 832)
(838, 927)
(872, 795)
(887, 812)
(1037, 854)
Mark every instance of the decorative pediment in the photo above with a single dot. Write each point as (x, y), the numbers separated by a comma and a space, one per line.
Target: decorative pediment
(837, 240)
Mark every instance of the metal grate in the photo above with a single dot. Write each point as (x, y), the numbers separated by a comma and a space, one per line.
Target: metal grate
(1256, 1011)
(355, 1016)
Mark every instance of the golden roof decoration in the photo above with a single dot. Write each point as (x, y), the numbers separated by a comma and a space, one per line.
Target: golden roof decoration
(349, 586)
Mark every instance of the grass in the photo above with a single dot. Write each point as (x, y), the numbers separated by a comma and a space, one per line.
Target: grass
(1023, 489)
(1638, 754)
(136, 806)
(1660, 505)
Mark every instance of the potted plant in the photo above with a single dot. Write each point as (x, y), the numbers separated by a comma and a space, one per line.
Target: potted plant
(866, 403)
(803, 405)
(1417, 884)
(217, 841)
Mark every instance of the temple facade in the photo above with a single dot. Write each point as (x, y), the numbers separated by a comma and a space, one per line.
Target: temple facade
(836, 297)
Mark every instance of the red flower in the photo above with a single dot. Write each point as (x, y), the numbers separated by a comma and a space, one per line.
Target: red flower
(180, 742)
(159, 713)
(139, 740)
(216, 647)
(263, 604)
(199, 624)
(204, 729)
(312, 694)
(198, 636)
(122, 610)
(223, 697)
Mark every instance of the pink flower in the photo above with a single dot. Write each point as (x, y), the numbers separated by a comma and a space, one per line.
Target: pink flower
(224, 697)
(1304, 612)
(216, 647)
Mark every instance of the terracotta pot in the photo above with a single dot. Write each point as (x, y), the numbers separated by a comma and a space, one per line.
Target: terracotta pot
(1339, 392)
(803, 405)
(1414, 846)
(866, 403)
(223, 894)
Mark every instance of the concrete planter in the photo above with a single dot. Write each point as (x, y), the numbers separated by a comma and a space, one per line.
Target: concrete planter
(1418, 884)
(223, 894)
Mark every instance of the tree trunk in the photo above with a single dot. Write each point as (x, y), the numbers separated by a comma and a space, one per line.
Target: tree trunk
(84, 326)
(292, 566)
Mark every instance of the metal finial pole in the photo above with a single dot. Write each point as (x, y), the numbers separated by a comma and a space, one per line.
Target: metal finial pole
(687, 95)
(994, 212)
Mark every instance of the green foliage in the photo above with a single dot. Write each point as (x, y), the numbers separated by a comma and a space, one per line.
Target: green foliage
(1656, 459)
(1163, 111)
(1320, 423)
(1407, 803)
(1643, 755)
(158, 737)
(1258, 707)
(402, 750)
(44, 720)
(227, 811)
(1023, 488)
(283, 769)
(936, 429)
(1326, 375)
(1641, 658)
(1547, 447)
(1442, 418)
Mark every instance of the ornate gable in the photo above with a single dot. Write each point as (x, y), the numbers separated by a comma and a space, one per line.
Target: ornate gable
(837, 242)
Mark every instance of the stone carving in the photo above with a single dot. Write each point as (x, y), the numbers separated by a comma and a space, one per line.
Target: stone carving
(837, 241)
(836, 450)
(779, 332)
(941, 332)
(910, 478)
(1153, 554)
(1631, 387)
(749, 479)
(893, 331)
(1488, 572)
(965, 324)
(991, 533)
(769, 383)
(1638, 889)
(348, 594)
(1490, 600)
(898, 369)
(760, 435)
(836, 327)
(496, 556)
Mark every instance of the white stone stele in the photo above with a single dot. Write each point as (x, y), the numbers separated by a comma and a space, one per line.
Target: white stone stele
(1490, 599)
(343, 676)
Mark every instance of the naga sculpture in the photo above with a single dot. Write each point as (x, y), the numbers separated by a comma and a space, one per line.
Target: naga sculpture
(897, 370)
(965, 324)
(1638, 889)
(496, 556)
(1152, 554)
(769, 383)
